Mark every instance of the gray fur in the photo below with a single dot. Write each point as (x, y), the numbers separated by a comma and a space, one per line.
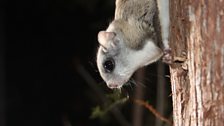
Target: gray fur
(137, 41)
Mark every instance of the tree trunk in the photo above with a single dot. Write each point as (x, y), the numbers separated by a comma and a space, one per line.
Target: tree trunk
(197, 76)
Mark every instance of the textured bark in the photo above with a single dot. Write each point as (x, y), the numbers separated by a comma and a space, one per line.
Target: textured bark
(197, 35)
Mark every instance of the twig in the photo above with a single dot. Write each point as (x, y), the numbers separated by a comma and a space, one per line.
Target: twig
(161, 91)
(139, 94)
(151, 109)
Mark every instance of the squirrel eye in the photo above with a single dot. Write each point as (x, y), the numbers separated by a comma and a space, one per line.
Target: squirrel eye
(109, 65)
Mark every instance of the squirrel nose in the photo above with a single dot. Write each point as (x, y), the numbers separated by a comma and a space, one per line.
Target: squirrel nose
(112, 86)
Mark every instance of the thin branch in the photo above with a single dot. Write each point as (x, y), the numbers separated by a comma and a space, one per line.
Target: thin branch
(161, 91)
(153, 110)
(139, 94)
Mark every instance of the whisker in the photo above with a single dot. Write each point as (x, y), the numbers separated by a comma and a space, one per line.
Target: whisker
(137, 83)
(159, 76)
(131, 81)
(129, 85)
(147, 80)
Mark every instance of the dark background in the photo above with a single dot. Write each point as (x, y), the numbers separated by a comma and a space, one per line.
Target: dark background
(43, 43)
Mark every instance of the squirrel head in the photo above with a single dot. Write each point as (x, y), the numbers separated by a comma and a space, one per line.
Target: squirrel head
(117, 62)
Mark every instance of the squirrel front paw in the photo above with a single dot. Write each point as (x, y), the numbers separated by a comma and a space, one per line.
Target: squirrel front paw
(167, 57)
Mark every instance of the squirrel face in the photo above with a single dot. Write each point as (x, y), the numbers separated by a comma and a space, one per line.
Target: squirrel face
(111, 59)
(117, 62)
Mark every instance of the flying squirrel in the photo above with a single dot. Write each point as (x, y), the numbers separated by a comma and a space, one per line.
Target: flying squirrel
(138, 36)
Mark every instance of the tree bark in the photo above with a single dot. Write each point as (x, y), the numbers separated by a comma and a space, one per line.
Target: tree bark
(197, 75)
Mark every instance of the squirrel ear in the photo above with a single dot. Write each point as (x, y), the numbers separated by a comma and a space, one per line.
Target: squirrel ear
(104, 37)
